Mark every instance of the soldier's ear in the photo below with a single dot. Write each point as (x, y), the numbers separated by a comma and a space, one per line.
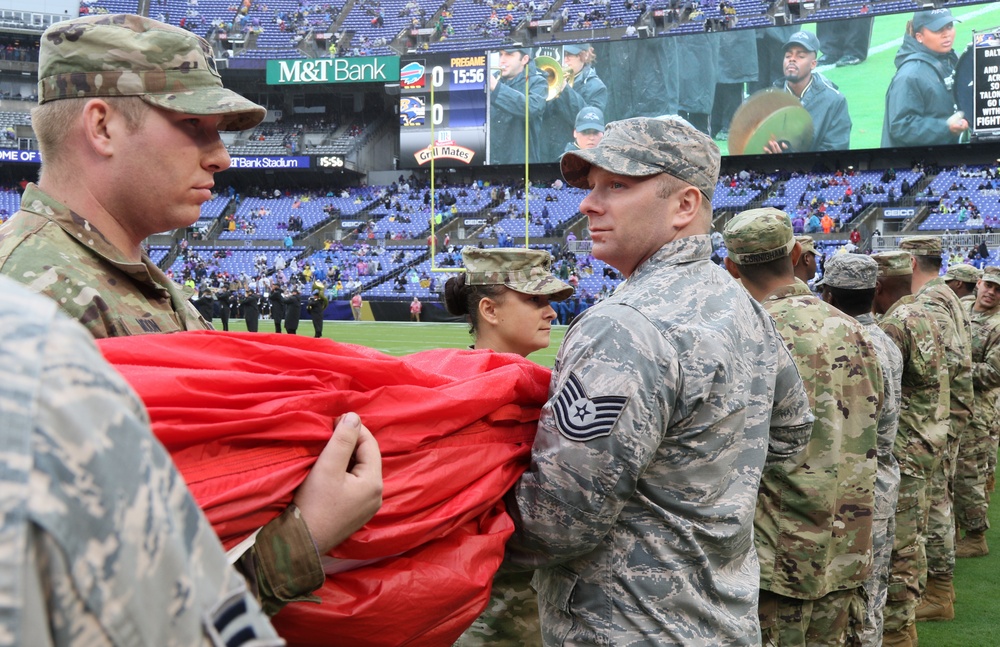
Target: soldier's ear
(731, 268)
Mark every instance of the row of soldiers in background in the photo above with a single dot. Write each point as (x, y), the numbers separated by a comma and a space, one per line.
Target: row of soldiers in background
(281, 305)
(906, 403)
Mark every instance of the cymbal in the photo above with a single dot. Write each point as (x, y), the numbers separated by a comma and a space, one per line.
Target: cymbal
(752, 112)
(791, 126)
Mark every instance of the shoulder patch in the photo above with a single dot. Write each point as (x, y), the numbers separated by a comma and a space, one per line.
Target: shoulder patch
(581, 417)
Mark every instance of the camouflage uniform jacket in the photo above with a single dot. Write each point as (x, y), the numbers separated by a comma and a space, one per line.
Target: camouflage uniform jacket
(985, 364)
(813, 527)
(102, 544)
(925, 395)
(666, 401)
(887, 480)
(58, 253)
(941, 302)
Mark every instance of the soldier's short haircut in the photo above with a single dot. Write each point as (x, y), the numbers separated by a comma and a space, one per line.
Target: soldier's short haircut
(667, 185)
(929, 263)
(763, 272)
(53, 121)
(851, 302)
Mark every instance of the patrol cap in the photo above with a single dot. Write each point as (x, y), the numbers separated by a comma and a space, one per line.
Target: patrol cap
(576, 48)
(893, 263)
(589, 119)
(520, 50)
(991, 274)
(850, 272)
(122, 55)
(644, 146)
(922, 245)
(963, 272)
(803, 39)
(806, 243)
(522, 270)
(932, 19)
(759, 236)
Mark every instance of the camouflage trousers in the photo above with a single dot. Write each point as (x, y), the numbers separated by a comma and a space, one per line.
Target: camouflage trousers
(511, 617)
(991, 465)
(908, 571)
(789, 622)
(877, 585)
(971, 469)
(940, 542)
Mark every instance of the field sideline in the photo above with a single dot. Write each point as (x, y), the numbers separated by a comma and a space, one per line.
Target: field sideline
(977, 581)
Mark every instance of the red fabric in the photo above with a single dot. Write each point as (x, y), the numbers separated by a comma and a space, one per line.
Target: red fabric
(245, 415)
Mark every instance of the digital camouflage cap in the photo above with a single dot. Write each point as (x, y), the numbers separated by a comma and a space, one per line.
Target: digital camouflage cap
(963, 272)
(522, 270)
(759, 236)
(850, 272)
(991, 274)
(806, 243)
(922, 245)
(893, 263)
(125, 55)
(644, 146)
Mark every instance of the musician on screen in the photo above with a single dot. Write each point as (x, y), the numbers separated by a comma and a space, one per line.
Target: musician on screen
(507, 108)
(920, 106)
(819, 96)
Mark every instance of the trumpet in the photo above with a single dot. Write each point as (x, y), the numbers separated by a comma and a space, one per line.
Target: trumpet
(557, 76)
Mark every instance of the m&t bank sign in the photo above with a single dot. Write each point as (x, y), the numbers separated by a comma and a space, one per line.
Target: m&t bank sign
(361, 69)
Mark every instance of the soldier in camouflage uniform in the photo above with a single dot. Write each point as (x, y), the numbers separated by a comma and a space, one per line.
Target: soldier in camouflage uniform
(975, 450)
(505, 296)
(923, 430)
(805, 267)
(813, 526)
(102, 542)
(849, 286)
(667, 402)
(128, 124)
(939, 302)
(962, 279)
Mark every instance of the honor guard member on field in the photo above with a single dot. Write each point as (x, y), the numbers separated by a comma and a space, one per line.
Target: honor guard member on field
(819, 96)
(977, 457)
(103, 543)
(668, 400)
(587, 90)
(813, 528)
(507, 108)
(940, 303)
(962, 279)
(805, 267)
(587, 131)
(849, 286)
(128, 123)
(923, 430)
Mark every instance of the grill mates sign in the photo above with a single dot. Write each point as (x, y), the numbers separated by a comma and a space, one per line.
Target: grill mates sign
(362, 69)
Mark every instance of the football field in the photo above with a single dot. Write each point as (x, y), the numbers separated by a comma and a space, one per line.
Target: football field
(395, 338)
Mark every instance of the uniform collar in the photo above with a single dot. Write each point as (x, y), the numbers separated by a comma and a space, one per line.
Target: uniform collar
(39, 203)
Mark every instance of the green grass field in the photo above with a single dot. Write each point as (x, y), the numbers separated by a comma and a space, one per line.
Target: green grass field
(977, 581)
(401, 338)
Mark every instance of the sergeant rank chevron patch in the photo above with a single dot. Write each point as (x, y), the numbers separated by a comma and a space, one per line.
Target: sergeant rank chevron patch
(580, 417)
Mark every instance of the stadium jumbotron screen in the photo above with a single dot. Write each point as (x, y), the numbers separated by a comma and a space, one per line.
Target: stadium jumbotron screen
(475, 125)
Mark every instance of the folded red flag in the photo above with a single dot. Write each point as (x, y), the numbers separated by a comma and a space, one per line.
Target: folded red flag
(245, 415)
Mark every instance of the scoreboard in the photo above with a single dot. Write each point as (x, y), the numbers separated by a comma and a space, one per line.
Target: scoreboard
(458, 115)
